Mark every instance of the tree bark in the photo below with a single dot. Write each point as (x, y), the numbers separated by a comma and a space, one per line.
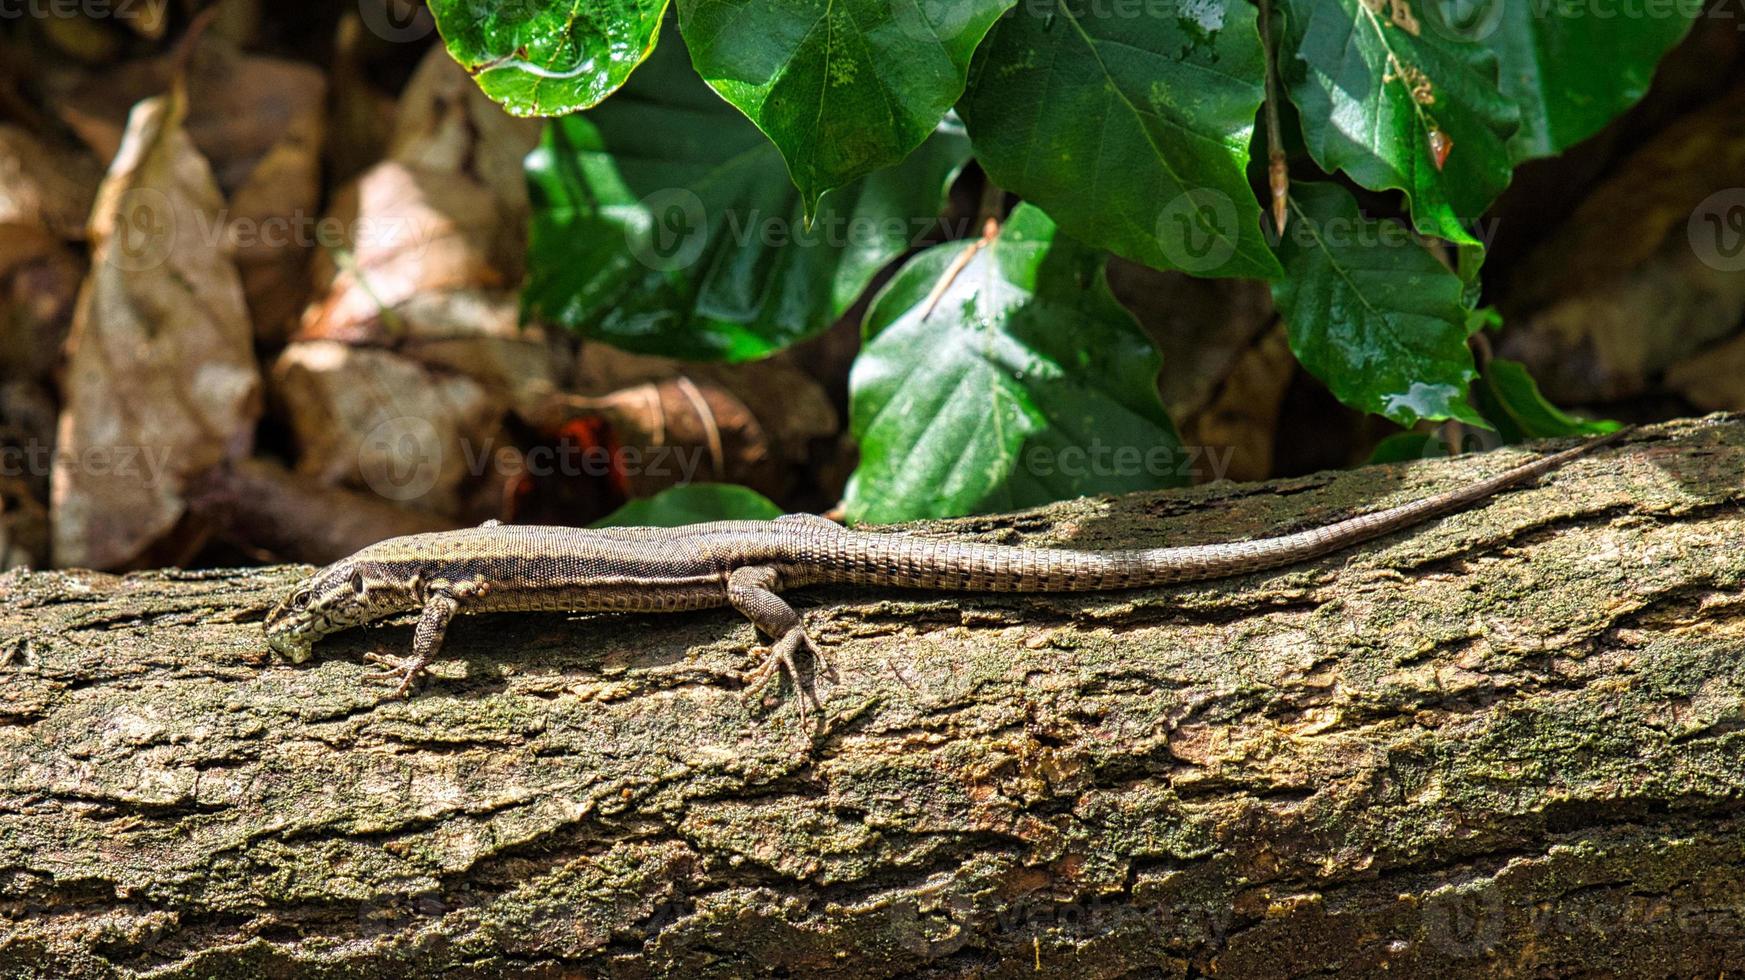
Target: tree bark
(1508, 742)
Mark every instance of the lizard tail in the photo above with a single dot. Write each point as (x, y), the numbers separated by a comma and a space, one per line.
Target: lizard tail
(939, 564)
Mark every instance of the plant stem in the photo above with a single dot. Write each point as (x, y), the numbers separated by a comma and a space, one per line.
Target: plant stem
(1277, 169)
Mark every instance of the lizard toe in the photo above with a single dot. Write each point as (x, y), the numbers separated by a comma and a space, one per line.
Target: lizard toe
(406, 670)
(778, 661)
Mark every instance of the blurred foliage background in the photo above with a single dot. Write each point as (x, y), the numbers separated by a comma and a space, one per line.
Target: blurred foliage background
(277, 281)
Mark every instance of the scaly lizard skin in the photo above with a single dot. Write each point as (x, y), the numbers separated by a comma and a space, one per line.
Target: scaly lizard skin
(497, 568)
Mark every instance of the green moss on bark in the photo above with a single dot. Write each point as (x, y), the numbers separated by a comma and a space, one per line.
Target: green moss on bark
(1509, 741)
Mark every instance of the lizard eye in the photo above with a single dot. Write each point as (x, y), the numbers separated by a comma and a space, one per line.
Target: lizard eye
(299, 602)
(357, 583)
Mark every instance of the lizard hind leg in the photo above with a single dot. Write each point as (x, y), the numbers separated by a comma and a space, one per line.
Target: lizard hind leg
(751, 590)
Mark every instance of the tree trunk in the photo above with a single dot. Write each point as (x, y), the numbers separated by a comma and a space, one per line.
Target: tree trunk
(1509, 741)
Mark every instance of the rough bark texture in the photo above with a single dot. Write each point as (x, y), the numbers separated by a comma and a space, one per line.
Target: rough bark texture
(1508, 742)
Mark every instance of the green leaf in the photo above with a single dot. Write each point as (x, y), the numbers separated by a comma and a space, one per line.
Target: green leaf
(1026, 383)
(1403, 447)
(1371, 313)
(664, 223)
(1483, 318)
(1570, 70)
(1510, 399)
(842, 87)
(1353, 75)
(693, 503)
(546, 59)
(1132, 131)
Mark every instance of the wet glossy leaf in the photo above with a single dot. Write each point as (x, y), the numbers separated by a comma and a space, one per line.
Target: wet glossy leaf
(1024, 383)
(664, 222)
(546, 59)
(1373, 86)
(843, 87)
(1372, 313)
(1569, 69)
(1130, 129)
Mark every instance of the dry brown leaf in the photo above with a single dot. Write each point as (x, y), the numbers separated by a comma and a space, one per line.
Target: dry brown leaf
(1202, 326)
(753, 424)
(239, 105)
(362, 115)
(1714, 379)
(445, 213)
(161, 383)
(403, 234)
(375, 420)
(478, 333)
(27, 433)
(45, 197)
(24, 526)
(445, 123)
(37, 295)
(260, 122)
(262, 506)
(1232, 436)
(44, 187)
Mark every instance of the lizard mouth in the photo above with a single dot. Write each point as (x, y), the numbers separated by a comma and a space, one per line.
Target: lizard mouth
(293, 645)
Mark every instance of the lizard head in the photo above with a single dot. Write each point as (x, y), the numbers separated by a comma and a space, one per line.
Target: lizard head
(330, 600)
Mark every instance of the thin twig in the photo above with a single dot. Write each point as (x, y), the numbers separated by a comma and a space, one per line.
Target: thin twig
(1278, 169)
(705, 415)
(990, 231)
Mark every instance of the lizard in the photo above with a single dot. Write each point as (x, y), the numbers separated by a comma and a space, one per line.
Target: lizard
(746, 564)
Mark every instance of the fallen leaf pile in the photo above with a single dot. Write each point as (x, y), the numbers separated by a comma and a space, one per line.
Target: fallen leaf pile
(226, 338)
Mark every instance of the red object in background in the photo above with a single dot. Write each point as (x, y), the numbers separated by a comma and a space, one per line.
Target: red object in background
(574, 479)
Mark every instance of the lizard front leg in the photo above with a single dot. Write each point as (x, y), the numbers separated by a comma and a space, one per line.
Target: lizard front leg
(439, 608)
(751, 590)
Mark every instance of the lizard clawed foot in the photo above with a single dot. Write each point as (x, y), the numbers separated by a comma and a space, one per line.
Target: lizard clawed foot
(779, 659)
(403, 669)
